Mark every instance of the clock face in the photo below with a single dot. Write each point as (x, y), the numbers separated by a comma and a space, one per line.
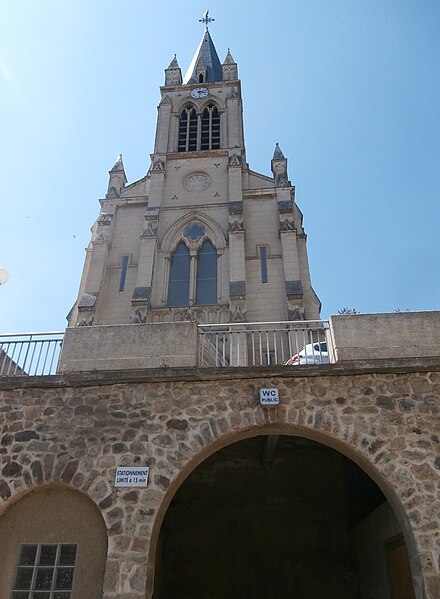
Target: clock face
(199, 92)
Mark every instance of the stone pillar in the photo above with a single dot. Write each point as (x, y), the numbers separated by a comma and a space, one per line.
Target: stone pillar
(288, 236)
(144, 280)
(235, 121)
(237, 270)
(93, 281)
(163, 127)
(157, 172)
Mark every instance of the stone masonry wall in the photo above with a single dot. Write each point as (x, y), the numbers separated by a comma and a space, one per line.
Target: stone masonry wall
(76, 432)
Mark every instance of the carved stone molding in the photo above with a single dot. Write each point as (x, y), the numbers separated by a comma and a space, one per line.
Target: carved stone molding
(201, 314)
(237, 310)
(105, 219)
(86, 320)
(101, 238)
(294, 312)
(236, 227)
(150, 229)
(287, 225)
(112, 194)
(158, 166)
(235, 160)
(281, 181)
(138, 315)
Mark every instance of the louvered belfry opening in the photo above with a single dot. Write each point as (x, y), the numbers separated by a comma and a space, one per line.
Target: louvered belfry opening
(210, 139)
(199, 132)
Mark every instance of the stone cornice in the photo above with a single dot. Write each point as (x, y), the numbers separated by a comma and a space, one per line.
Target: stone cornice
(158, 375)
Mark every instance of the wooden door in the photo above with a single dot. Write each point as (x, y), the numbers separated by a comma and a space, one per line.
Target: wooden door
(398, 568)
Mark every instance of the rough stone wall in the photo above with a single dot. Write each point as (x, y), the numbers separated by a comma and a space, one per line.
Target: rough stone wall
(78, 433)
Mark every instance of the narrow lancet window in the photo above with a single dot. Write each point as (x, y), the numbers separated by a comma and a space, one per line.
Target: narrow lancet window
(178, 286)
(123, 275)
(263, 262)
(206, 281)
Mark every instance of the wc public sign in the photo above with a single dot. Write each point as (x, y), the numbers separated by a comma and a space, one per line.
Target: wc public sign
(269, 397)
(131, 477)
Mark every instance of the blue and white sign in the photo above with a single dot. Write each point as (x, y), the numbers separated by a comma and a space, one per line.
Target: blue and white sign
(269, 397)
(131, 476)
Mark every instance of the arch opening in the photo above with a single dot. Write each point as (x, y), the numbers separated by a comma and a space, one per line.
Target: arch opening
(277, 515)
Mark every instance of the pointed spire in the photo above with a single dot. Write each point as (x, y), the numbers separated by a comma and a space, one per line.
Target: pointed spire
(173, 74)
(174, 64)
(117, 179)
(205, 59)
(279, 168)
(118, 165)
(229, 68)
(278, 154)
(229, 59)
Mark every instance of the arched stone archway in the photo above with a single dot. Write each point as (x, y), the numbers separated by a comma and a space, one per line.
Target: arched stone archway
(380, 495)
(385, 422)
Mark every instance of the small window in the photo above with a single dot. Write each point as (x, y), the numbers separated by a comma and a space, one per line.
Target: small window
(263, 263)
(123, 275)
(44, 572)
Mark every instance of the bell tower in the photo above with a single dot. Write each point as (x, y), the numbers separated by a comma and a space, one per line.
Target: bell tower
(201, 236)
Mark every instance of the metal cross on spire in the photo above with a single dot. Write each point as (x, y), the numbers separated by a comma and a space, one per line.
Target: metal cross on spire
(206, 18)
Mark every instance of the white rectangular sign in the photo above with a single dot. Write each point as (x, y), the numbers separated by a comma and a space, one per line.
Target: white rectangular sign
(133, 476)
(269, 397)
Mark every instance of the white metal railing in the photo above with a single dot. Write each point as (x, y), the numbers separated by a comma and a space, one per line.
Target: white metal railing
(261, 343)
(220, 345)
(26, 354)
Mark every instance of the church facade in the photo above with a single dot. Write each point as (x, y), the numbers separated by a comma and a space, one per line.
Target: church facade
(201, 236)
(123, 477)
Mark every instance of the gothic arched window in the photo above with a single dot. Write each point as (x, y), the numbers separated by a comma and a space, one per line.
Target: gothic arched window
(178, 286)
(199, 132)
(193, 279)
(206, 279)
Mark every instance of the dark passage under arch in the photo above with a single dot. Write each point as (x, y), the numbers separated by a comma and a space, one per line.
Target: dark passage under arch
(279, 516)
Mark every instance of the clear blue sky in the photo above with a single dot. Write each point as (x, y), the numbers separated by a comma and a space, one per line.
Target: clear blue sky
(350, 89)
